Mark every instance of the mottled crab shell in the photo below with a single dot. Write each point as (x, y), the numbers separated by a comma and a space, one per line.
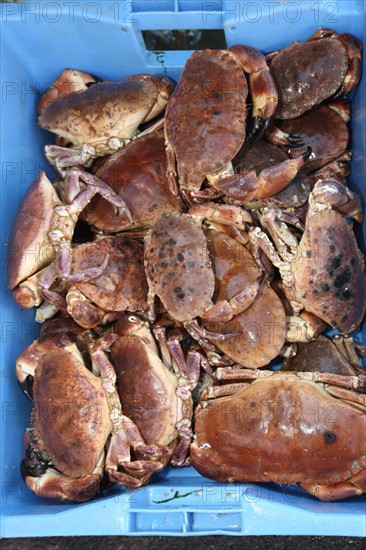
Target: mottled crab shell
(177, 265)
(324, 130)
(122, 285)
(71, 413)
(106, 110)
(271, 432)
(30, 248)
(137, 174)
(307, 73)
(329, 271)
(206, 111)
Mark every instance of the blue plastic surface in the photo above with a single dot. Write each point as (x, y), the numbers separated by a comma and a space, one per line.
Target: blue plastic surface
(38, 40)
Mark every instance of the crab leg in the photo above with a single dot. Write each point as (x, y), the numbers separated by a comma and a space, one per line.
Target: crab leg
(185, 433)
(119, 455)
(286, 243)
(126, 433)
(61, 268)
(226, 214)
(223, 391)
(63, 157)
(198, 332)
(231, 373)
(225, 310)
(94, 185)
(138, 443)
(339, 380)
(350, 350)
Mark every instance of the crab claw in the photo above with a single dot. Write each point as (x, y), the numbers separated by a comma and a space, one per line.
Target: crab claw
(257, 128)
(27, 386)
(276, 136)
(53, 484)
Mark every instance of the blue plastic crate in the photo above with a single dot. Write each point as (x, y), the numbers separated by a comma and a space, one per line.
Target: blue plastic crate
(38, 40)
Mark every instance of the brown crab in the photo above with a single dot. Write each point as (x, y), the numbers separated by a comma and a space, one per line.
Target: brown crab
(137, 174)
(324, 272)
(156, 395)
(208, 109)
(76, 415)
(100, 118)
(40, 245)
(257, 174)
(119, 287)
(310, 72)
(325, 130)
(258, 317)
(339, 355)
(178, 267)
(305, 428)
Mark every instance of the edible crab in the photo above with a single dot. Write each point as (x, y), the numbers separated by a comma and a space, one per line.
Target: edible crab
(208, 109)
(324, 272)
(76, 415)
(258, 322)
(323, 129)
(310, 72)
(304, 428)
(137, 174)
(339, 355)
(119, 287)
(40, 245)
(99, 118)
(179, 270)
(156, 395)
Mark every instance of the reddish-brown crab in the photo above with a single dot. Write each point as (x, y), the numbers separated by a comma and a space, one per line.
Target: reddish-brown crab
(259, 174)
(304, 428)
(137, 174)
(266, 158)
(99, 118)
(325, 131)
(76, 415)
(259, 321)
(338, 355)
(310, 72)
(208, 109)
(40, 246)
(178, 267)
(208, 274)
(324, 272)
(119, 287)
(156, 395)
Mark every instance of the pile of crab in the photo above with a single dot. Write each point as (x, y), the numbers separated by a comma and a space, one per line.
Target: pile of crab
(194, 235)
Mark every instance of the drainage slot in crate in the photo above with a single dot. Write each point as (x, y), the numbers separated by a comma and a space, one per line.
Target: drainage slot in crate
(217, 521)
(187, 39)
(167, 521)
